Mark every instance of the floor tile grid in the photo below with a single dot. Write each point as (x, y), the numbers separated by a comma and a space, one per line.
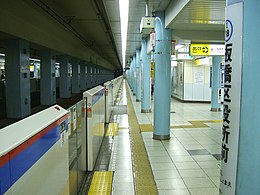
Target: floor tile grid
(175, 182)
(180, 118)
(192, 118)
(204, 136)
(205, 169)
(167, 178)
(178, 182)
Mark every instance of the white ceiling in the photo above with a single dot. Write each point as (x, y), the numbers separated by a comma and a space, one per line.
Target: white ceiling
(112, 9)
(137, 9)
(96, 23)
(198, 20)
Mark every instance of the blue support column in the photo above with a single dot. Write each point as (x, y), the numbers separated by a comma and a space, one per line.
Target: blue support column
(88, 67)
(17, 72)
(146, 89)
(162, 81)
(104, 79)
(83, 76)
(65, 79)
(131, 75)
(105, 75)
(215, 87)
(240, 171)
(48, 77)
(100, 79)
(91, 76)
(108, 75)
(138, 76)
(75, 76)
(134, 75)
(98, 75)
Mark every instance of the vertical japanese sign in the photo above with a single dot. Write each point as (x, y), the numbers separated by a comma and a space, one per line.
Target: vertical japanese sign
(232, 96)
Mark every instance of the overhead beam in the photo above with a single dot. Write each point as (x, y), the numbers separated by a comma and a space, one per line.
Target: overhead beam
(200, 35)
(173, 9)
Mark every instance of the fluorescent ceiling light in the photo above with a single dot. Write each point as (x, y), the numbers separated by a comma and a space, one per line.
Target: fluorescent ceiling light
(36, 60)
(123, 7)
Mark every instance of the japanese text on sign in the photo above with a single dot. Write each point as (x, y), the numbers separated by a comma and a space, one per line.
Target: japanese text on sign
(226, 108)
(232, 98)
(207, 49)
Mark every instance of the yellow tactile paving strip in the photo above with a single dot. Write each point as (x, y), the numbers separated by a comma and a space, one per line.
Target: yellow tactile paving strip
(146, 127)
(101, 183)
(112, 129)
(143, 176)
(217, 121)
(194, 124)
(123, 128)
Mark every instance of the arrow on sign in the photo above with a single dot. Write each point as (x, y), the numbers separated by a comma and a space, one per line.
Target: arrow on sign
(205, 49)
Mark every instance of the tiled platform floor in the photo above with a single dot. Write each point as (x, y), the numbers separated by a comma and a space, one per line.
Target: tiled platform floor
(185, 164)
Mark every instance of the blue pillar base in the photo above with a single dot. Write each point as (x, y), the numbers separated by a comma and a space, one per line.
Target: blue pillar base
(145, 110)
(161, 137)
(215, 109)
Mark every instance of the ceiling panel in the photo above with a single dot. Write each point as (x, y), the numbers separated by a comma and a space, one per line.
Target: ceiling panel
(112, 9)
(199, 16)
(136, 12)
(199, 20)
(88, 18)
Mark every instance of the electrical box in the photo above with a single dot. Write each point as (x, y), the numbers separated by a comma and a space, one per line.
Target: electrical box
(147, 25)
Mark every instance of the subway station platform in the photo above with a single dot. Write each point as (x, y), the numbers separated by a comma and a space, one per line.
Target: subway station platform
(186, 164)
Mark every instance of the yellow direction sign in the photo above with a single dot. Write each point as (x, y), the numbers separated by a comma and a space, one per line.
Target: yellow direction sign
(199, 49)
(207, 49)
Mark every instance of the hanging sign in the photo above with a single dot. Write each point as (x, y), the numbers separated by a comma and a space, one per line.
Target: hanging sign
(152, 39)
(207, 50)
